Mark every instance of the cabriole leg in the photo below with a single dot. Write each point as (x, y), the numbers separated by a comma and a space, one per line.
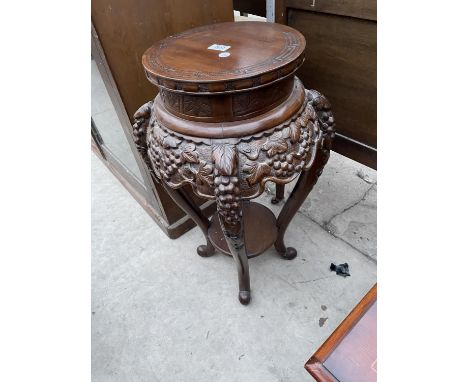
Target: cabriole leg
(302, 188)
(307, 179)
(183, 200)
(234, 234)
(227, 191)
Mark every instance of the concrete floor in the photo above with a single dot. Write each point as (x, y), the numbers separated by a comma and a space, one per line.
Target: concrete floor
(162, 313)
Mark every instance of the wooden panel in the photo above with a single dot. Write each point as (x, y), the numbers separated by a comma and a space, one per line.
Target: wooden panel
(341, 63)
(350, 353)
(362, 9)
(127, 28)
(352, 149)
(355, 359)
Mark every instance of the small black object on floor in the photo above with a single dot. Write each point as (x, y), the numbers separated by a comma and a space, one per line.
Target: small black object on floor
(342, 269)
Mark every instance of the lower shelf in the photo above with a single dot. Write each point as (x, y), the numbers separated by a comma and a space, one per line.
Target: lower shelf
(259, 227)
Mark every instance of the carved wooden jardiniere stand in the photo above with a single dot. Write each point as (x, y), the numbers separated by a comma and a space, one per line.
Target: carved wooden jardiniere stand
(231, 116)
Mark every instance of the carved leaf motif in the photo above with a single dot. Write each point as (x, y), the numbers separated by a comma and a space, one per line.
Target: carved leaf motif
(189, 153)
(224, 157)
(165, 140)
(187, 173)
(257, 171)
(159, 135)
(205, 173)
(294, 132)
(250, 151)
(275, 145)
(170, 141)
(205, 168)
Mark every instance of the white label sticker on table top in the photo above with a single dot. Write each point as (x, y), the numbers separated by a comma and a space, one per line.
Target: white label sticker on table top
(219, 47)
(224, 54)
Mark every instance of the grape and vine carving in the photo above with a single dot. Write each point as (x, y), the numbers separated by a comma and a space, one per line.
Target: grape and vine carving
(286, 150)
(226, 182)
(172, 157)
(230, 169)
(141, 117)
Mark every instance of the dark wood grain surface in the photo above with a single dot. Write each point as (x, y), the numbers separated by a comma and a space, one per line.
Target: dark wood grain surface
(341, 62)
(361, 9)
(260, 230)
(254, 48)
(127, 28)
(355, 359)
(250, 89)
(350, 353)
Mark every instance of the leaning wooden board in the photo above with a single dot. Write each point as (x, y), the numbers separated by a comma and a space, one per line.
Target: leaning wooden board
(341, 62)
(350, 353)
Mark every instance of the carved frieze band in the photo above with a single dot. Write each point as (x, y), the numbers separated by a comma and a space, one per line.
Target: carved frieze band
(239, 104)
(230, 170)
(227, 86)
(197, 106)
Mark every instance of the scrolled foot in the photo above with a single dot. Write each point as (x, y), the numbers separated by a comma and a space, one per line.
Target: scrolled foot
(244, 297)
(205, 250)
(290, 253)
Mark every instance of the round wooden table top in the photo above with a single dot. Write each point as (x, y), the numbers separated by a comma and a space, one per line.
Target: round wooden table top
(242, 54)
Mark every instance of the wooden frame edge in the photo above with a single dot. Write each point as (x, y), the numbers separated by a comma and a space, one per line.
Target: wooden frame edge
(355, 150)
(315, 364)
(319, 371)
